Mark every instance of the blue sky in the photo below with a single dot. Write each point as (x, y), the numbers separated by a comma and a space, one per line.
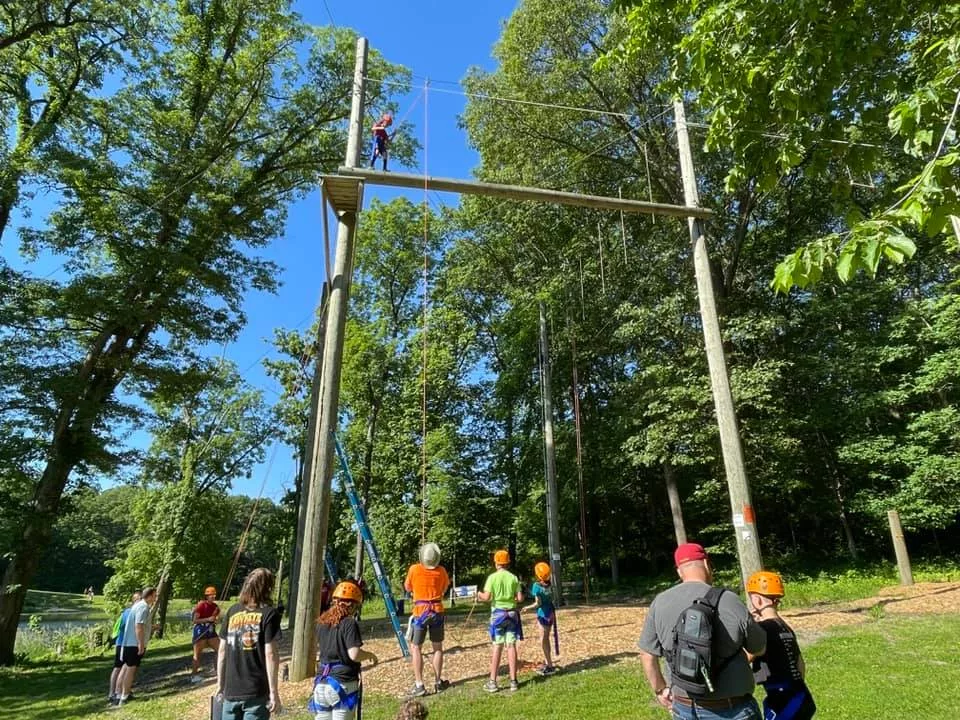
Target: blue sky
(435, 39)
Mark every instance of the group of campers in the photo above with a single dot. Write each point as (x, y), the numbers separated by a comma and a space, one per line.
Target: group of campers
(714, 647)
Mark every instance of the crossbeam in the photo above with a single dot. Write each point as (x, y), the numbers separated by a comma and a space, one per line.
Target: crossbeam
(519, 192)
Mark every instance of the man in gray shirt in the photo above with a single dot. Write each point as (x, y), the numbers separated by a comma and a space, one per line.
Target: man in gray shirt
(734, 631)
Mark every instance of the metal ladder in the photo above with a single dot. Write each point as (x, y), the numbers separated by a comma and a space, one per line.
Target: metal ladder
(360, 514)
(331, 566)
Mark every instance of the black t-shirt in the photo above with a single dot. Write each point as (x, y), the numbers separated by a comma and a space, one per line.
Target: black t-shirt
(781, 662)
(246, 633)
(333, 644)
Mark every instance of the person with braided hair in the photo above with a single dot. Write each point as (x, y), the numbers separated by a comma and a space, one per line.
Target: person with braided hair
(336, 688)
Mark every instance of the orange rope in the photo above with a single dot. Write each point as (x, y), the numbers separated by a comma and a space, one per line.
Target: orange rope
(426, 302)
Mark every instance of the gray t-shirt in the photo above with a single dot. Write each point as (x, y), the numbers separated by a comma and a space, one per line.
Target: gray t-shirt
(139, 615)
(735, 631)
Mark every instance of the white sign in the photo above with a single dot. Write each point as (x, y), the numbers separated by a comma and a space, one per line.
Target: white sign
(738, 520)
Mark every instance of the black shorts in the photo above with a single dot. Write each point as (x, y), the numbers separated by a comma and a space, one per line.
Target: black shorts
(433, 626)
(117, 660)
(131, 656)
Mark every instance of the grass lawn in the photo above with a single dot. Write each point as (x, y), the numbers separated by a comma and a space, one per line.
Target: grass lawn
(886, 669)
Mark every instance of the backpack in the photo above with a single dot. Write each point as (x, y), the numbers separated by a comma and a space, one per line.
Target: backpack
(692, 666)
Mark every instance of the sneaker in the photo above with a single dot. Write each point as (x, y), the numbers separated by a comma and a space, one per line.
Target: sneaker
(441, 685)
(491, 686)
(113, 700)
(418, 691)
(196, 679)
(514, 686)
(549, 669)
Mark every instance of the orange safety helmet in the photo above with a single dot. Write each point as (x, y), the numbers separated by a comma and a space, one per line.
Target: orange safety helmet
(501, 557)
(210, 590)
(542, 571)
(766, 583)
(348, 591)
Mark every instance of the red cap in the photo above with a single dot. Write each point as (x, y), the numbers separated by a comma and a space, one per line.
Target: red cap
(688, 552)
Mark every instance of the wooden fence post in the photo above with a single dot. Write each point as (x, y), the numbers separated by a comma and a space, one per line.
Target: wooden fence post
(900, 547)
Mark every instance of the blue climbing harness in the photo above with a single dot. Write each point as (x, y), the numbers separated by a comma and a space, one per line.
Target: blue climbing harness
(204, 631)
(505, 621)
(792, 698)
(347, 700)
(431, 618)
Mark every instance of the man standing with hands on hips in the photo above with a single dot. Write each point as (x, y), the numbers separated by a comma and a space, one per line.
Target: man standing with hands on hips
(702, 632)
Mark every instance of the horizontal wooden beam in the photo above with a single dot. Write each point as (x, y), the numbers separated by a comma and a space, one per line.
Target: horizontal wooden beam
(518, 192)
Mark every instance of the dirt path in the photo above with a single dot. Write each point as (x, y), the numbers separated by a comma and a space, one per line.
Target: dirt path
(612, 636)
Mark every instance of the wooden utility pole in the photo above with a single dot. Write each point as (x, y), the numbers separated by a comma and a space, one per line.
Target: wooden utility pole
(550, 459)
(306, 469)
(303, 659)
(900, 548)
(744, 519)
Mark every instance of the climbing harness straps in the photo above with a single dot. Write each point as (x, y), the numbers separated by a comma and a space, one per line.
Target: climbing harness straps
(509, 620)
(347, 700)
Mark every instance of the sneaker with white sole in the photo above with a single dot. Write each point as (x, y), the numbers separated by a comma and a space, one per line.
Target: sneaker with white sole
(514, 686)
(418, 691)
(441, 685)
(491, 686)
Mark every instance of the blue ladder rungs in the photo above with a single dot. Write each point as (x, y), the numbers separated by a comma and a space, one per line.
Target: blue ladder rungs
(360, 515)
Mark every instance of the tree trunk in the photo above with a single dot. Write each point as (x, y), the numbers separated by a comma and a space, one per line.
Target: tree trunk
(676, 510)
(35, 536)
(838, 494)
(163, 602)
(614, 563)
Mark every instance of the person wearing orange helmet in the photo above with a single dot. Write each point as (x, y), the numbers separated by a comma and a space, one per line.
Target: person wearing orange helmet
(502, 590)
(781, 669)
(542, 594)
(336, 687)
(205, 616)
(381, 140)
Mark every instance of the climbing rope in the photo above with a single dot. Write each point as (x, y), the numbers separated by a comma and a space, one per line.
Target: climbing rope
(224, 592)
(426, 302)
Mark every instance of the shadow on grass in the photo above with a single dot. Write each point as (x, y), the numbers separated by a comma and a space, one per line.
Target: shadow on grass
(78, 688)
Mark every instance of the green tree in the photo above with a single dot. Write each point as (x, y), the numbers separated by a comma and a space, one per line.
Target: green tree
(186, 172)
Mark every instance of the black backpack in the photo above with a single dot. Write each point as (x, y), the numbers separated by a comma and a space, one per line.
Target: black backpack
(692, 666)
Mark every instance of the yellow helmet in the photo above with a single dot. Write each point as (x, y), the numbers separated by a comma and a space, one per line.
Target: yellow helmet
(766, 583)
(348, 591)
(501, 557)
(542, 571)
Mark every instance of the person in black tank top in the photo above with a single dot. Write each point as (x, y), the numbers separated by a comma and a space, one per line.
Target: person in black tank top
(336, 688)
(780, 669)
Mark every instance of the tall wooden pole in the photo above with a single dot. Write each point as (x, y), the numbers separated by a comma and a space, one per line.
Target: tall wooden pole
(306, 469)
(744, 519)
(550, 460)
(303, 660)
(900, 548)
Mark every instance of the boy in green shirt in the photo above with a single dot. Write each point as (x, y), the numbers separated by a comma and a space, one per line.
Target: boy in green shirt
(502, 591)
